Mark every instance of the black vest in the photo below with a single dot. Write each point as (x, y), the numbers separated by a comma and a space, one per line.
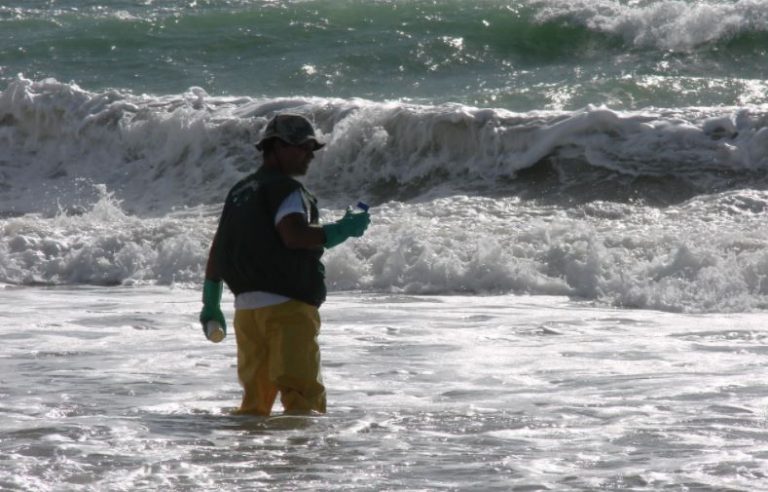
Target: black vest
(249, 254)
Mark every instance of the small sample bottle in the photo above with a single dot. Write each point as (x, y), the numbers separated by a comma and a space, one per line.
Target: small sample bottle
(214, 332)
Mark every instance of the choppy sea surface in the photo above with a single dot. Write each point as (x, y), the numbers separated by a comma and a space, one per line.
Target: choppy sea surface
(572, 186)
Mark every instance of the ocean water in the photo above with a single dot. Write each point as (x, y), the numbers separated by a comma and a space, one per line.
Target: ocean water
(577, 192)
(115, 389)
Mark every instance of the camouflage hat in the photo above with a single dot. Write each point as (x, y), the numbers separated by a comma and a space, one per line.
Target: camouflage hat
(291, 128)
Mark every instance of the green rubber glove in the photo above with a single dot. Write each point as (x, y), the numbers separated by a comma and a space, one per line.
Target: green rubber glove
(353, 224)
(212, 304)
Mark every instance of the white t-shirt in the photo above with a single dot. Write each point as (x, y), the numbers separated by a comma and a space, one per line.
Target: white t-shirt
(292, 204)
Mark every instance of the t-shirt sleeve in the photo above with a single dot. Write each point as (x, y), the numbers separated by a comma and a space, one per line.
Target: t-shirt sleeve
(293, 204)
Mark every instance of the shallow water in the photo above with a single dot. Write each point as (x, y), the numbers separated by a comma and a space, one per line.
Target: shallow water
(116, 389)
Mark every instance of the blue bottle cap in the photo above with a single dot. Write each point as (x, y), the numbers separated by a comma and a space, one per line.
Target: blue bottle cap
(363, 206)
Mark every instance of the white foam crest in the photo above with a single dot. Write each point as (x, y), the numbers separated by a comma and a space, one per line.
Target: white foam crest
(160, 153)
(154, 153)
(667, 24)
(416, 146)
(102, 246)
(706, 255)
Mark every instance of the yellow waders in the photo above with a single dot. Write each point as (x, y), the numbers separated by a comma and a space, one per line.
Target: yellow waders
(277, 351)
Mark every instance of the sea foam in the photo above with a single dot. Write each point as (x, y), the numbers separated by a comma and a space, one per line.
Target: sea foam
(160, 153)
(706, 255)
(673, 25)
(112, 188)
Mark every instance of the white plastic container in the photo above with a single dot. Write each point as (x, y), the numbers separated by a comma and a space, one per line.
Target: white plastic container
(214, 332)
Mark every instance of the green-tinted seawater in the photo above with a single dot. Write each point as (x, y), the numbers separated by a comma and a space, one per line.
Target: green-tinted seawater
(522, 55)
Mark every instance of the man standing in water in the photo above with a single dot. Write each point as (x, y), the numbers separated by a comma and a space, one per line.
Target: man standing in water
(267, 249)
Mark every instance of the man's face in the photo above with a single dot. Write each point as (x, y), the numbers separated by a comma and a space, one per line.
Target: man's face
(294, 159)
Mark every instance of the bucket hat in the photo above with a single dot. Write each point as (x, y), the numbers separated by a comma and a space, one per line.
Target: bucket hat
(291, 128)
